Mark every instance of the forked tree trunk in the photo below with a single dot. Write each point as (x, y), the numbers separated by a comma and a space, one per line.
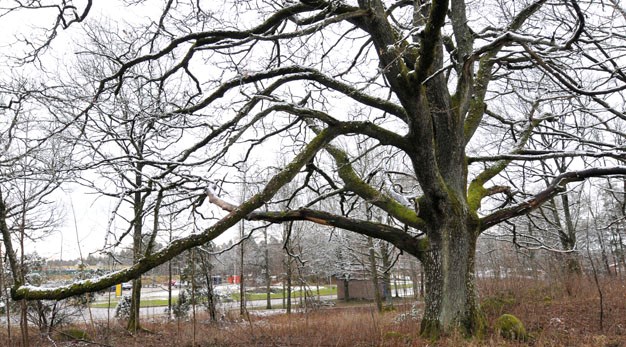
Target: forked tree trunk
(451, 299)
(567, 236)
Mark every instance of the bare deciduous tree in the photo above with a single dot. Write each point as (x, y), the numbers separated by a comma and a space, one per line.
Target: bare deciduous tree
(453, 95)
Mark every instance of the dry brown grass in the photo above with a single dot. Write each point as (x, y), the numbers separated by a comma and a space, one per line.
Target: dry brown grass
(553, 317)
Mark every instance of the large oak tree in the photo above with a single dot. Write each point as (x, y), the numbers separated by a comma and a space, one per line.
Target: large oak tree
(450, 95)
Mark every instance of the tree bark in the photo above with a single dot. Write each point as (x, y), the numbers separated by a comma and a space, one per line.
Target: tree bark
(242, 291)
(207, 267)
(193, 296)
(289, 275)
(573, 267)
(169, 290)
(414, 280)
(23, 303)
(268, 277)
(603, 253)
(374, 274)
(287, 227)
(386, 260)
(7, 301)
(450, 298)
(4, 229)
(133, 320)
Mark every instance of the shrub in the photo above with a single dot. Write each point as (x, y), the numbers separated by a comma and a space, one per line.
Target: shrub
(497, 304)
(510, 327)
(414, 314)
(122, 310)
(73, 334)
(182, 307)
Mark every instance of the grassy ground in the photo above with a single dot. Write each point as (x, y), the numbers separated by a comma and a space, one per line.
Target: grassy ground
(144, 303)
(551, 315)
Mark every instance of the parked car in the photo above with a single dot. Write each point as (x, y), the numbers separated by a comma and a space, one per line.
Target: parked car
(127, 285)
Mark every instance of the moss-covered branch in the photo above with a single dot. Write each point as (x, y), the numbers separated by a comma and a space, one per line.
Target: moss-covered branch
(397, 237)
(476, 190)
(372, 195)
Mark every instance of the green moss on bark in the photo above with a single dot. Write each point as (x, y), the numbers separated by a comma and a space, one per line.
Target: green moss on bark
(475, 194)
(430, 329)
(423, 244)
(473, 326)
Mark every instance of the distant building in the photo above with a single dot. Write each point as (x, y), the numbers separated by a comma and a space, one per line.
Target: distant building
(358, 289)
(235, 279)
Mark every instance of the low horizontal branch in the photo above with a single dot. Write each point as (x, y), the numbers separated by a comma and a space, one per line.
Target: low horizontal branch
(395, 236)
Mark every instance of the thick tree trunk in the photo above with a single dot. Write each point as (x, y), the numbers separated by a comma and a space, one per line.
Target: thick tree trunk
(450, 298)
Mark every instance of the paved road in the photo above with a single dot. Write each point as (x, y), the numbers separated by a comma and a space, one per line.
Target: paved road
(151, 312)
(161, 293)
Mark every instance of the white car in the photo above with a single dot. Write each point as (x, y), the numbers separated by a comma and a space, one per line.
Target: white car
(127, 285)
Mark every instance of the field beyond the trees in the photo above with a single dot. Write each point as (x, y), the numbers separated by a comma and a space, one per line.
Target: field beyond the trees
(552, 318)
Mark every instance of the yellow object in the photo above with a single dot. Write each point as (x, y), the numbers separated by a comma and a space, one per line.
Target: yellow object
(118, 289)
